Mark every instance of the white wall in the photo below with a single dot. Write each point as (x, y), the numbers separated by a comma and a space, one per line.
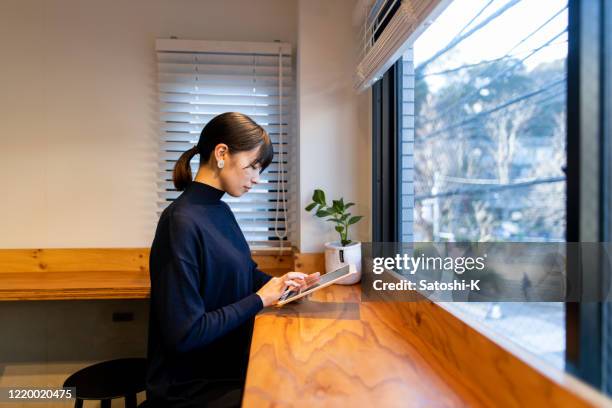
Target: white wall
(78, 140)
(334, 122)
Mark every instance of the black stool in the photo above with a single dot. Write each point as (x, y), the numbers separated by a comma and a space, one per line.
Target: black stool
(122, 378)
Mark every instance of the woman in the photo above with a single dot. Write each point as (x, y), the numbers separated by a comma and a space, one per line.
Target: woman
(205, 287)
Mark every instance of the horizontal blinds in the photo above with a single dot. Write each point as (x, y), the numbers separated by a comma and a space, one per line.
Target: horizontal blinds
(198, 80)
(381, 47)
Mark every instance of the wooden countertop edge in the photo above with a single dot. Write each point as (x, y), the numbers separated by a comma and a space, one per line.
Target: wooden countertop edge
(74, 294)
(554, 375)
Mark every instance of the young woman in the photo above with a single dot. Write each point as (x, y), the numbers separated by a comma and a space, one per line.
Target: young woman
(205, 287)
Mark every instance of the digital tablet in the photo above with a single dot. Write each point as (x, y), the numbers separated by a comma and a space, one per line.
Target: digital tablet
(325, 280)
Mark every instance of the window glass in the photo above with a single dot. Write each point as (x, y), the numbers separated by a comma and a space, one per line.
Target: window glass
(483, 143)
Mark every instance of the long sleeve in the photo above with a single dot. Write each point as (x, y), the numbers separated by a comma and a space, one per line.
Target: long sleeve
(185, 323)
(259, 278)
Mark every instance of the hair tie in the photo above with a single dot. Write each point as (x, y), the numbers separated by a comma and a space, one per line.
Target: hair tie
(196, 148)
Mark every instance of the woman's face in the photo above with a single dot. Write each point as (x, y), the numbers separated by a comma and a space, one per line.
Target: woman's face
(240, 172)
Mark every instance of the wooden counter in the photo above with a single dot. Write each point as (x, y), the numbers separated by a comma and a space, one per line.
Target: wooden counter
(332, 350)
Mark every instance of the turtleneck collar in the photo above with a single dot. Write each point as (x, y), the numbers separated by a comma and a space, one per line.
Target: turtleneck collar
(204, 193)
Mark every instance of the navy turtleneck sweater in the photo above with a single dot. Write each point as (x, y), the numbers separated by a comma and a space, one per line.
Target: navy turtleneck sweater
(203, 301)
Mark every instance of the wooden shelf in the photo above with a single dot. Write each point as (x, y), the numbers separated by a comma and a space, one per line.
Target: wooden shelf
(92, 273)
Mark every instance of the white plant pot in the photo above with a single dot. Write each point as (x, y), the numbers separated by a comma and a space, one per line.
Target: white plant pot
(337, 256)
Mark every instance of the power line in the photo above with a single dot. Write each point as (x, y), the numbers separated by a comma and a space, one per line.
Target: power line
(495, 109)
(455, 41)
(531, 34)
(484, 62)
(549, 99)
(497, 76)
(475, 17)
(487, 138)
(536, 30)
(490, 189)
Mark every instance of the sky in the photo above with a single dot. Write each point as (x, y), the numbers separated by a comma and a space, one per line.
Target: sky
(496, 39)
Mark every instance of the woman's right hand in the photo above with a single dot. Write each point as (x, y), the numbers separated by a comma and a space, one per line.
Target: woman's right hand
(273, 290)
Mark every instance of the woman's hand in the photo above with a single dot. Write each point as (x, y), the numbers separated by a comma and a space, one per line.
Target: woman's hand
(272, 291)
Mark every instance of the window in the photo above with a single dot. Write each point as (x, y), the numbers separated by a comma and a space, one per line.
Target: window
(483, 143)
(198, 80)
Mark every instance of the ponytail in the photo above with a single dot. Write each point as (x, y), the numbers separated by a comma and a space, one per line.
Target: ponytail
(181, 176)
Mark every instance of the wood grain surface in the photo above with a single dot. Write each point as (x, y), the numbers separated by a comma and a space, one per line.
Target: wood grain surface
(92, 273)
(74, 259)
(334, 350)
(500, 376)
(331, 350)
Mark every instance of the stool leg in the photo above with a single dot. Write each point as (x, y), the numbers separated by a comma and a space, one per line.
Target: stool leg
(105, 403)
(78, 403)
(130, 401)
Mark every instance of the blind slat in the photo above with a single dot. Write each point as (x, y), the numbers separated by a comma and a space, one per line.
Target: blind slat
(219, 108)
(225, 69)
(201, 88)
(197, 128)
(225, 99)
(249, 79)
(205, 117)
(172, 137)
(216, 59)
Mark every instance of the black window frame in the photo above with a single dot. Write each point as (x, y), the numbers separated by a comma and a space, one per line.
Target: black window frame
(386, 155)
(588, 143)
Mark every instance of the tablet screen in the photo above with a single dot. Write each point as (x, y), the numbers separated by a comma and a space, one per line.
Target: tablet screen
(323, 281)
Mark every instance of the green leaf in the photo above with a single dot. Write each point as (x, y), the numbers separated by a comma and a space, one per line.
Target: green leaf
(318, 197)
(344, 217)
(311, 206)
(348, 205)
(339, 228)
(332, 219)
(355, 219)
(346, 242)
(337, 206)
(323, 213)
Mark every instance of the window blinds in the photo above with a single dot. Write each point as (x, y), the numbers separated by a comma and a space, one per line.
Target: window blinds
(198, 80)
(389, 27)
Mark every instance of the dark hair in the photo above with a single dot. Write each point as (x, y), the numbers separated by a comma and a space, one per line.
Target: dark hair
(238, 131)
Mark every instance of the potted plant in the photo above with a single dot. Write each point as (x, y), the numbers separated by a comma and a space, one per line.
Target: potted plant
(345, 251)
